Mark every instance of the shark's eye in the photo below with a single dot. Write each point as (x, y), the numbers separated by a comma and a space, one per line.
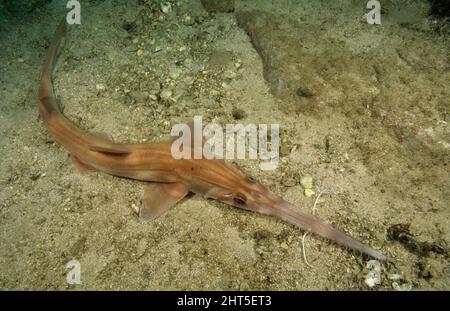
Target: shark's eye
(251, 179)
(240, 200)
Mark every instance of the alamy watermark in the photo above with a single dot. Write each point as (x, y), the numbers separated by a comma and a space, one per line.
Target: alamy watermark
(374, 15)
(74, 274)
(74, 15)
(215, 142)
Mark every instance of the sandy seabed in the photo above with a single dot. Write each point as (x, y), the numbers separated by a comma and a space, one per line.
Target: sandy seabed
(363, 110)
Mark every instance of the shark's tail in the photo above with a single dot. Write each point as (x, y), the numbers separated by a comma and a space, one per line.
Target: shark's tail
(47, 100)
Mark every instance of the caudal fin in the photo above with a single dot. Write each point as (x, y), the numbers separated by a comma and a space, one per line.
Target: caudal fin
(47, 100)
(52, 54)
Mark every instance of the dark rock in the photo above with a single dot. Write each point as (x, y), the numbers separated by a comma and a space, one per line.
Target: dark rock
(304, 92)
(440, 8)
(238, 114)
(425, 270)
(279, 50)
(18, 7)
(218, 6)
(129, 27)
(262, 235)
(401, 233)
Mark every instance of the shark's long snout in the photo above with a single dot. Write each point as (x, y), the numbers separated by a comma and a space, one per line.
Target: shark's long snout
(263, 201)
(314, 224)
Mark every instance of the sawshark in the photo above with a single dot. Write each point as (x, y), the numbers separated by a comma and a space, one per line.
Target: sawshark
(169, 180)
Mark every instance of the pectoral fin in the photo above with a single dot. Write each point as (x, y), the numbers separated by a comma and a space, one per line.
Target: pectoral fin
(104, 136)
(80, 166)
(159, 198)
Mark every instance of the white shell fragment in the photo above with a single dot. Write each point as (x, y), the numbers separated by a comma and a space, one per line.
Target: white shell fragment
(100, 87)
(135, 208)
(373, 277)
(404, 287)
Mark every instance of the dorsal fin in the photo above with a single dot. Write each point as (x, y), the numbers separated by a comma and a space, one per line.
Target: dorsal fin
(105, 144)
(103, 136)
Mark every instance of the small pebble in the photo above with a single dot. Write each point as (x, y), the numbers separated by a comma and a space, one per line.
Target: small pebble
(230, 74)
(304, 92)
(175, 73)
(135, 209)
(139, 97)
(154, 88)
(188, 20)
(130, 48)
(166, 7)
(405, 287)
(141, 247)
(100, 87)
(188, 62)
(288, 181)
(371, 281)
(306, 182)
(309, 193)
(238, 114)
(395, 277)
(186, 101)
(166, 94)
